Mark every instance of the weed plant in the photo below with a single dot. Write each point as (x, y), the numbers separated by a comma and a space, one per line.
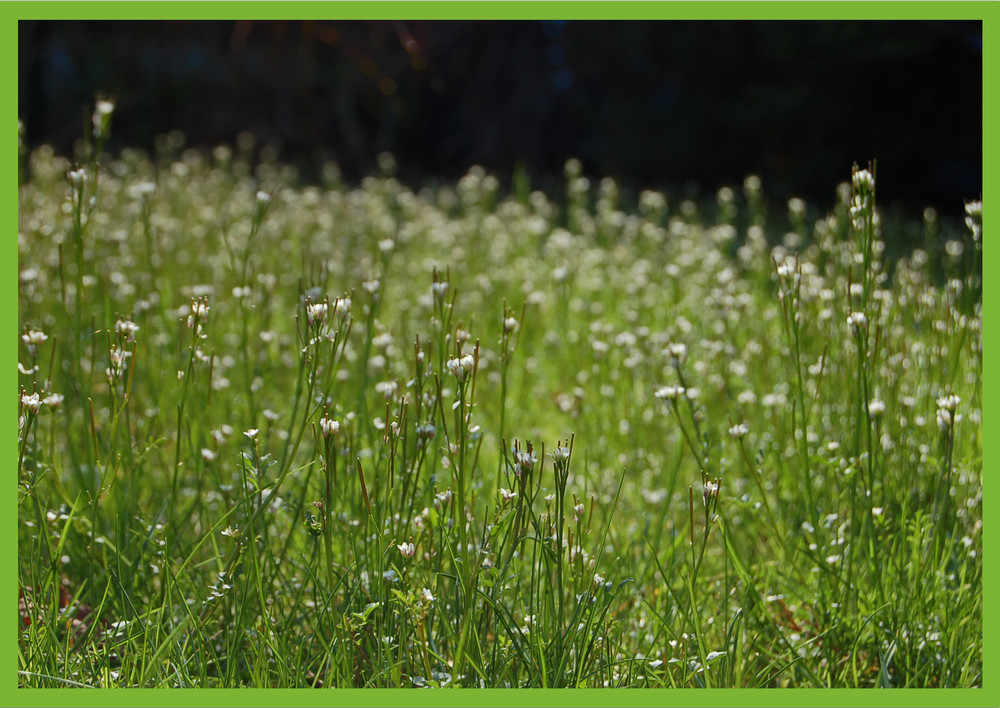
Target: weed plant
(285, 435)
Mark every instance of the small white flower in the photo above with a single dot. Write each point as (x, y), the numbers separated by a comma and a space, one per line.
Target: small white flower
(316, 312)
(439, 290)
(117, 358)
(141, 190)
(102, 117)
(949, 403)
(32, 402)
(53, 400)
(856, 321)
(127, 328)
(669, 392)
(198, 312)
(946, 416)
(739, 430)
(426, 596)
(342, 307)
(208, 455)
(252, 433)
(34, 336)
(506, 494)
(263, 197)
(407, 550)
(77, 177)
(677, 351)
(525, 461)
(104, 107)
(863, 181)
(461, 366)
(560, 454)
(230, 531)
(328, 426)
(876, 408)
(509, 325)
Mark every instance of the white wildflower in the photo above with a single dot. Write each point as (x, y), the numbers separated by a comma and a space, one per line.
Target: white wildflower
(77, 177)
(198, 312)
(32, 338)
(670, 392)
(127, 328)
(32, 402)
(863, 181)
(677, 352)
(525, 460)
(856, 321)
(342, 307)
(949, 402)
(328, 426)
(460, 367)
(53, 400)
(439, 290)
(739, 430)
(101, 118)
(316, 312)
(560, 454)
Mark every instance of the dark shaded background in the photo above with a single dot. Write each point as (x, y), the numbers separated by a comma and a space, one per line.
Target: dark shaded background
(654, 104)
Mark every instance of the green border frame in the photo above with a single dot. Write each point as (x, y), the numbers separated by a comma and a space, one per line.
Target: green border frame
(987, 12)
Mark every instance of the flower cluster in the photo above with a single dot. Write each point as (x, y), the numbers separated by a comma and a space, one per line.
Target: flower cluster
(462, 366)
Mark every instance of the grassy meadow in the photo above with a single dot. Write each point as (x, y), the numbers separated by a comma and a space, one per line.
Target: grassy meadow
(278, 434)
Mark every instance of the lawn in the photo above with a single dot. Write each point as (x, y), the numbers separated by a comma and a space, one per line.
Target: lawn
(281, 434)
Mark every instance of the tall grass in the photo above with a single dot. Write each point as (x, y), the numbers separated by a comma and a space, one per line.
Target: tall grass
(276, 434)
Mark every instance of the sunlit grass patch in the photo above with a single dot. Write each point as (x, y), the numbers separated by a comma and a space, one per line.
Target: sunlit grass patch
(275, 434)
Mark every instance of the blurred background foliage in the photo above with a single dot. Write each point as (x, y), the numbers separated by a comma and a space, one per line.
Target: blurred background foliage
(679, 106)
